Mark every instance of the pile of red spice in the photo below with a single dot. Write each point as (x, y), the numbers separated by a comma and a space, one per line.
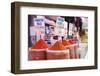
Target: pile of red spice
(66, 42)
(40, 45)
(71, 41)
(57, 46)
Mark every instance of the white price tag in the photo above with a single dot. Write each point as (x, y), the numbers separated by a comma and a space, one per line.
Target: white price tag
(59, 29)
(60, 21)
(32, 31)
(39, 22)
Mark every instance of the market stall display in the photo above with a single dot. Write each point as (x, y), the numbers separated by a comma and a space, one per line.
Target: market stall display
(37, 52)
(57, 51)
(60, 34)
(72, 46)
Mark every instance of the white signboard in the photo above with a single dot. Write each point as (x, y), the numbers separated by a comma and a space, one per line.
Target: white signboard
(71, 28)
(39, 22)
(39, 26)
(65, 27)
(32, 31)
(60, 21)
(59, 29)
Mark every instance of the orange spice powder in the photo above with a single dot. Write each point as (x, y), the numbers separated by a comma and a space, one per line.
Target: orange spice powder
(66, 42)
(57, 46)
(40, 45)
(71, 41)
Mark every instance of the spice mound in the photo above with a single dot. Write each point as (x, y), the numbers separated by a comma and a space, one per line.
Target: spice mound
(66, 42)
(57, 46)
(38, 51)
(40, 45)
(57, 51)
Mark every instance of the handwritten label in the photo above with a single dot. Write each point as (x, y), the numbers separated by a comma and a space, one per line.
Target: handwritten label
(60, 21)
(39, 22)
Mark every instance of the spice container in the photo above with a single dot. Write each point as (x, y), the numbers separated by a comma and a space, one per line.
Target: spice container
(73, 49)
(57, 51)
(38, 51)
(76, 48)
(72, 46)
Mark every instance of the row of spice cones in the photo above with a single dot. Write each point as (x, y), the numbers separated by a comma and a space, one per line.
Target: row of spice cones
(63, 49)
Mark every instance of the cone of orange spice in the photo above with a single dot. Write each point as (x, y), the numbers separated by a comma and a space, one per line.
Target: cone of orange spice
(66, 42)
(38, 51)
(71, 45)
(57, 51)
(40, 45)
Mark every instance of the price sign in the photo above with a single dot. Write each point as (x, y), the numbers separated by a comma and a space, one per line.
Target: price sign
(32, 31)
(39, 22)
(65, 27)
(59, 29)
(60, 21)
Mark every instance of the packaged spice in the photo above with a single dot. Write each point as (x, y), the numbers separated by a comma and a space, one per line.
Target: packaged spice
(57, 51)
(38, 51)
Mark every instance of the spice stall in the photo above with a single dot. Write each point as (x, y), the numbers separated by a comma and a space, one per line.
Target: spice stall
(37, 52)
(57, 51)
(55, 37)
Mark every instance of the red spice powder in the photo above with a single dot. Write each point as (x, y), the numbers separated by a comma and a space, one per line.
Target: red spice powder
(71, 41)
(66, 42)
(40, 45)
(57, 46)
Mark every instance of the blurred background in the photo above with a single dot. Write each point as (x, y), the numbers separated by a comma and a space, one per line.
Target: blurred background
(52, 28)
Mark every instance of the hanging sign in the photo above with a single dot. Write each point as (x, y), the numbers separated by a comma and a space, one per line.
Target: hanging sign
(59, 29)
(71, 28)
(39, 24)
(32, 31)
(60, 21)
(65, 28)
